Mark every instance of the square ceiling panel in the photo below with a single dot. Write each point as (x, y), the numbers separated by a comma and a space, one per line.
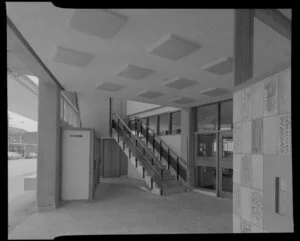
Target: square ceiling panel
(173, 47)
(181, 83)
(220, 67)
(134, 72)
(150, 94)
(183, 100)
(111, 87)
(71, 57)
(97, 22)
(215, 92)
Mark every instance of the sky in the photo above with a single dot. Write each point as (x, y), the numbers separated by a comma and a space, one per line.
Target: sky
(22, 122)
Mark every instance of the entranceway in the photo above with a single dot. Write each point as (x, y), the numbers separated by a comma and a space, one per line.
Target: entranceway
(213, 162)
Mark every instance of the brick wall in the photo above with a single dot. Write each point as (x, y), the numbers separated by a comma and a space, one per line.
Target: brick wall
(262, 156)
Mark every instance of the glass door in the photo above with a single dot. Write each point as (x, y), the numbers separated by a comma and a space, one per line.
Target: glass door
(225, 164)
(206, 159)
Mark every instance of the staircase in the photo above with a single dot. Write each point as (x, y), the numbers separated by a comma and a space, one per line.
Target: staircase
(160, 179)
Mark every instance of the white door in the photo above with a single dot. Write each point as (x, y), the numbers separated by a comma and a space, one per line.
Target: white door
(75, 165)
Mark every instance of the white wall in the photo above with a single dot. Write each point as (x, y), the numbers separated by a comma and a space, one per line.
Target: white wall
(135, 107)
(94, 111)
(174, 142)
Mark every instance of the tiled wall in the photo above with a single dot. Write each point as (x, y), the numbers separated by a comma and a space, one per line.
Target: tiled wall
(262, 156)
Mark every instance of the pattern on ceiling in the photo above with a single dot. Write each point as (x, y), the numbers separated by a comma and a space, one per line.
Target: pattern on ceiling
(142, 50)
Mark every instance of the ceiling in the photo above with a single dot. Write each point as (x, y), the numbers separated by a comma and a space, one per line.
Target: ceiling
(106, 62)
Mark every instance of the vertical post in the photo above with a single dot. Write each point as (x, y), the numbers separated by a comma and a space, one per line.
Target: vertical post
(147, 134)
(48, 181)
(160, 150)
(157, 124)
(170, 123)
(243, 45)
(143, 172)
(110, 117)
(177, 168)
(129, 153)
(152, 161)
(136, 162)
(168, 158)
(153, 142)
(135, 124)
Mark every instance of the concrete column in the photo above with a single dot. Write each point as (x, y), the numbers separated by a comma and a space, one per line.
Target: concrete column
(48, 146)
(188, 127)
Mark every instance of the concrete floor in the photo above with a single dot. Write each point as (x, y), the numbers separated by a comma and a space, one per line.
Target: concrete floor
(122, 206)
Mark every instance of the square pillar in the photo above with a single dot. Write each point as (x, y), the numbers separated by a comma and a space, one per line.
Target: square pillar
(48, 146)
(188, 127)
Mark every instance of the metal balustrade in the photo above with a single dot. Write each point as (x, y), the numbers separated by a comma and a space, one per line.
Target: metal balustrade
(173, 160)
(139, 150)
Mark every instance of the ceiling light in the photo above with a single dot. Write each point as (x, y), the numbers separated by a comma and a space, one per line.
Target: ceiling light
(173, 47)
(71, 57)
(97, 22)
(134, 72)
(220, 67)
(181, 83)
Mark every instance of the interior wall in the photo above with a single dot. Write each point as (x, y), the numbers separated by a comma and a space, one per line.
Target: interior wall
(94, 111)
(174, 142)
(262, 156)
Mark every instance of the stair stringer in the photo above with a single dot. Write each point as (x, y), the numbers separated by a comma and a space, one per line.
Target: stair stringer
(147, 178)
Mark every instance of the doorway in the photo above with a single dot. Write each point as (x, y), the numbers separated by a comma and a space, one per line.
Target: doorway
(214, 157)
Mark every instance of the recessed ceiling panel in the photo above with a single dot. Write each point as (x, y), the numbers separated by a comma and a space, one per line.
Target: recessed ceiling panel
(150, 94)
(183, 100)
(215, 92)
(134, 72)
(181, 83)
(71, 57)
(97, 22)
(173, 47)
(220, 67)
(111, 87)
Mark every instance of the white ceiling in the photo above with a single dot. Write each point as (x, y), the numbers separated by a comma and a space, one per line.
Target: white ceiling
(45, 26)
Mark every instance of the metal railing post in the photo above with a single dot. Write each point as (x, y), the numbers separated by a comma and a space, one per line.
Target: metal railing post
(160, 150)
(136, 162)
(147, 135)
(177, 168)
(153, 142)
(168, 158)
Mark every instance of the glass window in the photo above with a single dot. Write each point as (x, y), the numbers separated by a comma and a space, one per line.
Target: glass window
(61, 108)
(153, 123)
(66, 112)
(164, 126)
(176, 122)
(227, 146)
(207, 118)
(71, 120)
(226, 115)
(144, 121)
(206, 145)
(206, 177)
(227, 179)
